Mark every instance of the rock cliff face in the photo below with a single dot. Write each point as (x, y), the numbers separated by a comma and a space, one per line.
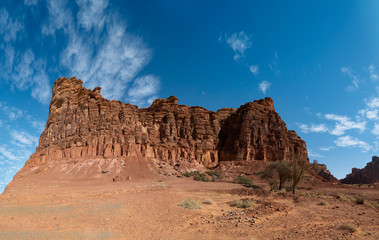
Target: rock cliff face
(322, 171)
(84, 125)
(366, 175)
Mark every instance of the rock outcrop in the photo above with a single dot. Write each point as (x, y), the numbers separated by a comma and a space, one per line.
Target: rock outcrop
(366, 175)
(322, 171)
(84, 125)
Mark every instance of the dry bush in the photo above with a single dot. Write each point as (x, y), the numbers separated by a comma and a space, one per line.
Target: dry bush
(190, 203)
(348, 227)
(242, 203)
(209, 201)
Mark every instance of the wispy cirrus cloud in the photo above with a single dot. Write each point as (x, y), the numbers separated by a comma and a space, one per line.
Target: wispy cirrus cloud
(143, 88)
(239, 42)
(344, 123)
(348, 141)
(264, 86)
(254, 69)
(21, 138)
(95, 46)
(348, 71)
(373, 75)
(375, 130)
(314, 155)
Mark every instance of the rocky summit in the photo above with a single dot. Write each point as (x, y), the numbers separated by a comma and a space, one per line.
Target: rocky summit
(86, 131)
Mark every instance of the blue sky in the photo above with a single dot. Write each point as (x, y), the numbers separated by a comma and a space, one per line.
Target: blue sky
(318, 60)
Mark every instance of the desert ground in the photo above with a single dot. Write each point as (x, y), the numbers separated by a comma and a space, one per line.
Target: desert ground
(149, 208)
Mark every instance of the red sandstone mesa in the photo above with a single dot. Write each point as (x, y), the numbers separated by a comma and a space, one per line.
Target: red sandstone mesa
(83, 126)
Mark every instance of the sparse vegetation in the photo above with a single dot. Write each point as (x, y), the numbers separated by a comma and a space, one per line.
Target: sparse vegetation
(203, 177)
(348, 227)
(209, 201)
(278, 173)
(322, 203)
(242, 203)
(190, 203)
(244, 180)
(359, 200)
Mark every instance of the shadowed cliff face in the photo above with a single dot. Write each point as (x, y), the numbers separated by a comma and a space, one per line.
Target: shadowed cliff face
(366, 175)
(82, 125)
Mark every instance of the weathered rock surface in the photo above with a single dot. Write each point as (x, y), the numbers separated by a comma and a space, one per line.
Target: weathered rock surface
(322, 171)
(83, 125)
(366, 175)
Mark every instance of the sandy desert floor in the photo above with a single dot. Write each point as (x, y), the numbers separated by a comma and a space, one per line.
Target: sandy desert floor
(149, 209)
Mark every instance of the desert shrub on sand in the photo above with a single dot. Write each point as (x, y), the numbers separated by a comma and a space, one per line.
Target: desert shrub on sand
(359, 200)
(209, 201)
(191, 174)
(202, 177)
(321, 203)
(190, 203)
(242, 203)
(348, 227)
(244, 180)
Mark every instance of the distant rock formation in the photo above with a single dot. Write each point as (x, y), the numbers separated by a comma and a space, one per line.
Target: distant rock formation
(84, 125)
(366, 175)
(322, 171)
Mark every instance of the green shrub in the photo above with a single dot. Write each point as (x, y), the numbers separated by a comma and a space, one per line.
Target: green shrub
(202, 177)
(242, 203)
(244, 180)
(348, 227)
(191, 174)
(190, 203)
(209, 201)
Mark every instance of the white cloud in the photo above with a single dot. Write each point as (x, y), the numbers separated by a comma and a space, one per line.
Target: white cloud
(254, 69)
(7, 153)
(144, 90)
(326, 148)
(349, 72)
(375, 131)
(348, 141)
(316, 128)
(12, 112)
(30, 2)
(370, 114)
(373, 102)
(9, 27)
(25, 72)
(60, 17)
(99, 51)
(264, 86)
(38, 125)
(344, 123)
(23, 138)
(92, 13)
(373, 75)
(239, 42)
(314, 155)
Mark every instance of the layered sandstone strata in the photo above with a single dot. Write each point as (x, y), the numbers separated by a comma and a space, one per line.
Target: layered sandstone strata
(84, 125)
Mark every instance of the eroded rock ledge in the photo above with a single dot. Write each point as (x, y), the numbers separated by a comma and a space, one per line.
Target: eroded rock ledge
(82, 124)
